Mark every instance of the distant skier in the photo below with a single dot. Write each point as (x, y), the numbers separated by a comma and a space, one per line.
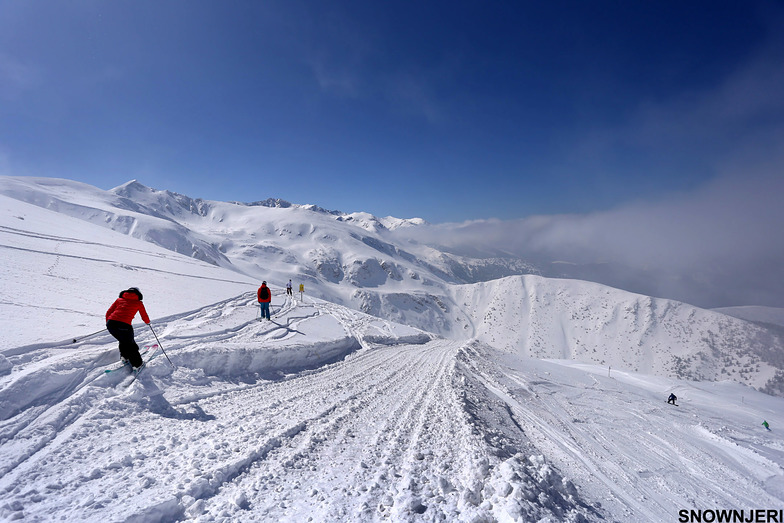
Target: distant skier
(672, 399)
(265, 296)
(289, 290)
(765, 424)
(118, 322)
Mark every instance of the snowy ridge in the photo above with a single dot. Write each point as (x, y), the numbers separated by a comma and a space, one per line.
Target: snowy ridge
(566, 319)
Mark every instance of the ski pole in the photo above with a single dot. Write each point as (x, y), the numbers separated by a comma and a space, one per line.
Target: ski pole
(76, 340)
(159, 345)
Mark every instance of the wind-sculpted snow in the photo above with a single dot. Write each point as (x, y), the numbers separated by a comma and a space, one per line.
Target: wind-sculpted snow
(293, 342)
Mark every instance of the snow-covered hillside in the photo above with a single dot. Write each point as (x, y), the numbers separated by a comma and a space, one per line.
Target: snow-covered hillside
(330, 414)
(568, 319)
(60, 274)
(350, 259)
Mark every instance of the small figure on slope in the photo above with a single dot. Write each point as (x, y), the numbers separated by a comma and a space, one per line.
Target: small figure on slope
(672, 399)
(118, 322)
(265, 296)
(289, 290)
(765, 424)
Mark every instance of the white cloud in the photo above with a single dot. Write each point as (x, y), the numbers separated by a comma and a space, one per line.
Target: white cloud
(719, 245)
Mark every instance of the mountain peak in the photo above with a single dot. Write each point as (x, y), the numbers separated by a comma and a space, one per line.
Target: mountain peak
(130, 188)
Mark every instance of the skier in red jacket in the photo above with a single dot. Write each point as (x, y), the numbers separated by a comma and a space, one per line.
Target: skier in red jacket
(265, 297)
(118, 322)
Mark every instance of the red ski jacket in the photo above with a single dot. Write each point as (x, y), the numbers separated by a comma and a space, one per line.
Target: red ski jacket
(125, 308)
(269, 294)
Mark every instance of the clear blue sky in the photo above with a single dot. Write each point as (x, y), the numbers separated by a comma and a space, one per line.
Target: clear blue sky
(446, 110)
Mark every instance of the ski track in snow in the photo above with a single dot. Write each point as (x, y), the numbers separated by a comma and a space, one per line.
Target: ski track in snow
(348, 430)
(676, 456)
(382, 433)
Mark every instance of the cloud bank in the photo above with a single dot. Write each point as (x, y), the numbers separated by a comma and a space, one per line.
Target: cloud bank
(720, 245)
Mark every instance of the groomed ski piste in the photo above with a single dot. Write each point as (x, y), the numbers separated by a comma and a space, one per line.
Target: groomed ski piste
(326, 414)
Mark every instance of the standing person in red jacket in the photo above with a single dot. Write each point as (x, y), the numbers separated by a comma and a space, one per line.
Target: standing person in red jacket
(265, 297)
(118, 322)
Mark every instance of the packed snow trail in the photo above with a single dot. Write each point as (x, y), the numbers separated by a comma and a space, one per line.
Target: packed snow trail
(327, 414)
(646, 460)
(384, 432)
(379, 435)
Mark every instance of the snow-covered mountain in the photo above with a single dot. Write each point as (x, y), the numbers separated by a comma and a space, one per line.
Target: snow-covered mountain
(329, 414)
(351, 259)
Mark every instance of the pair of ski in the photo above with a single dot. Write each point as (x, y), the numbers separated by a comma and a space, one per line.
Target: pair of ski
(154, 348)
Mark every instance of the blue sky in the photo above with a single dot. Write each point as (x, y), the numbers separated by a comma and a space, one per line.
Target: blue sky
(449, 111)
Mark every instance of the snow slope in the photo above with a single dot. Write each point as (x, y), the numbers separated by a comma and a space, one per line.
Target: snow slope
(60, 275)
(306, 418)
(588, 322)
(330, 414)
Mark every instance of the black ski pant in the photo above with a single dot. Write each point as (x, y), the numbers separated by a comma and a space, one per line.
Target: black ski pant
(128, 347)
